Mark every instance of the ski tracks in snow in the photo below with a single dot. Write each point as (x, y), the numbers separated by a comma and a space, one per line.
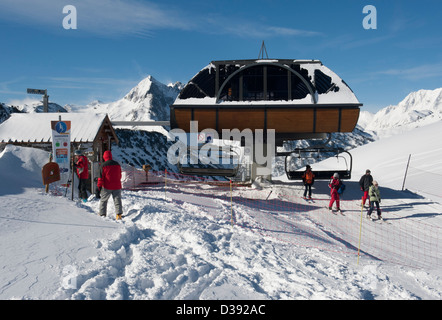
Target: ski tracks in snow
(152, 258)
(183, 250)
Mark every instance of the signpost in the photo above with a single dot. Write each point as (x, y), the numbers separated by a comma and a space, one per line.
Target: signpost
(61, 147)
(45, 96)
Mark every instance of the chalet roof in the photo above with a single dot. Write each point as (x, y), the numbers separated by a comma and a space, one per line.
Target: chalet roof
(36, 127)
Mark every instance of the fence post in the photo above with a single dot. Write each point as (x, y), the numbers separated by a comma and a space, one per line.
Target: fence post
(165, 183)
(231, 204)
(360, 228)
(406, 171)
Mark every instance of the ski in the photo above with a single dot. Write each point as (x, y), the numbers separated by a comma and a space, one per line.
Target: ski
(382, 221)
(377, 220)
(335, 211)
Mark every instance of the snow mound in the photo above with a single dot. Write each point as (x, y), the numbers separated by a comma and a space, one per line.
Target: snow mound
(20, 167)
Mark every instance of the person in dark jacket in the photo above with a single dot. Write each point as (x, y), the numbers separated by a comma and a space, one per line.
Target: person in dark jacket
(109, 183)
(365, 183)
(308, 178)
(82, 166)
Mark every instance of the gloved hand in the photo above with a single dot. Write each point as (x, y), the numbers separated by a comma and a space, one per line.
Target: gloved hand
(97, 193)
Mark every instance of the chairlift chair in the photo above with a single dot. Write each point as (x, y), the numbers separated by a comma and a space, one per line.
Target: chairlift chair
(219, 170)
(319, 174)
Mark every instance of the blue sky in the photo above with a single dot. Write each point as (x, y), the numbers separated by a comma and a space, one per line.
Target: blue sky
(118, 43)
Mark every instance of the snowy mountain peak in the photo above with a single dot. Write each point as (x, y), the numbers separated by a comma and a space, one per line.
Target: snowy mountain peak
(148, 100)
(141, 90)
(423, 99)
(149, 87)
(419, 108)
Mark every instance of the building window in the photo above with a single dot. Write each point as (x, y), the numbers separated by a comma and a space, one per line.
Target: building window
(253, 84)
(277, 83)
(264, 82)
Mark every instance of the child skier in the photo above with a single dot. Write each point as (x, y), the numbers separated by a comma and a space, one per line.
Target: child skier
(334, 185)
(375, 199)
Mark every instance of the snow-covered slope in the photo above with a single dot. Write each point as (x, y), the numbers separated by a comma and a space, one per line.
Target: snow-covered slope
(31, 106)
(388, 157)
(5, 111)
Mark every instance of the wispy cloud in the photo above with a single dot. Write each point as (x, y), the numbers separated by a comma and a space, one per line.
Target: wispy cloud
(89, 80)
(5, 87)
(415, 73)
(111, 87)
(105, 17)
(252, 30)
(137, 18)
(292, 32)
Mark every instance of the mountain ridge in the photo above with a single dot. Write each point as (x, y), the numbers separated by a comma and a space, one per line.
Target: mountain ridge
(417, 109)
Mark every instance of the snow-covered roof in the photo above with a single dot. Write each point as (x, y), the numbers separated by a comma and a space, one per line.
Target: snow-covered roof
(311, 83)
(36, 127)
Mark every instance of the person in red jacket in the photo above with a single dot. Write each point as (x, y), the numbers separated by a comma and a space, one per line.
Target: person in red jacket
(334, 185)
(109, 183)
(82, 166)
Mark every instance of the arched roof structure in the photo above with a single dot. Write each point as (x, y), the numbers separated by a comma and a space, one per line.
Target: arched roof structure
(297, 98)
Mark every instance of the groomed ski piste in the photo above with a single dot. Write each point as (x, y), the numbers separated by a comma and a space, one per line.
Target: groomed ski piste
(195, 240)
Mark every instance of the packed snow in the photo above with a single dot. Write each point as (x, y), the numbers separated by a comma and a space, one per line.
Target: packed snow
(192, 242)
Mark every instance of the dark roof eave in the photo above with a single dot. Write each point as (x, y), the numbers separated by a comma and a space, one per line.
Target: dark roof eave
(258, 106)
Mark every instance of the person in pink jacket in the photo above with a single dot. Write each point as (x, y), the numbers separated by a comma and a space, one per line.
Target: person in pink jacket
(335, 184)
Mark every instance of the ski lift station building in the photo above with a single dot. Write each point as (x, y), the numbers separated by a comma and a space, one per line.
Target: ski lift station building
(299, 99)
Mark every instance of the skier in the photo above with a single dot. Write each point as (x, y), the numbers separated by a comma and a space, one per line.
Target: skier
(109, 183)
(81, 164)
(365, 182)
(334, 185)
(375, 199)
(308, 178)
